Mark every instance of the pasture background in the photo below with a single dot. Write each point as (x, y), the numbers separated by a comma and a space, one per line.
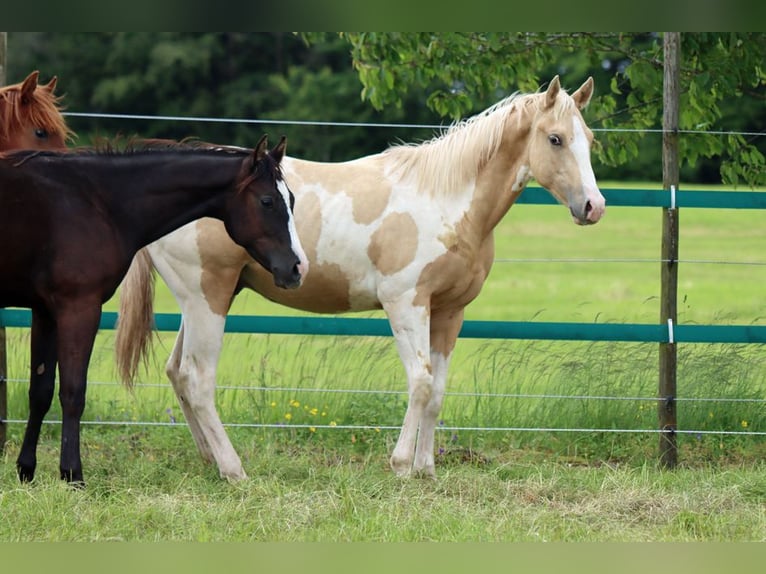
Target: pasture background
(147, 482)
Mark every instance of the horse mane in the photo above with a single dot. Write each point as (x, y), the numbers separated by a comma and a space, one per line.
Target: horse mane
(42, 109)
(121, 146)
(444, 164)
(133, 145)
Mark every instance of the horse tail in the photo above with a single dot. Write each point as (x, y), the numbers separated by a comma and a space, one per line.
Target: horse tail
(135, 322)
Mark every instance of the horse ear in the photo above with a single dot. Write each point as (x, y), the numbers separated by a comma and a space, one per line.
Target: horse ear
(50, 86)
(28, 87)
(552, 92)
(583, 94)
(279, 150)
(261, 149)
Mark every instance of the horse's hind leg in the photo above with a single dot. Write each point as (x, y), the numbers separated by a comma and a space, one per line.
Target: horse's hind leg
(173, 370)
(41, 386)
(193, 374)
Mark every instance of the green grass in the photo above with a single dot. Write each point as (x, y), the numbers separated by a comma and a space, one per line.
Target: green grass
(328, 483)
(138, 492)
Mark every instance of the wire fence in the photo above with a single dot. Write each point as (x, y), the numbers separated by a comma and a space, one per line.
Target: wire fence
(392, 125)
(500, 260)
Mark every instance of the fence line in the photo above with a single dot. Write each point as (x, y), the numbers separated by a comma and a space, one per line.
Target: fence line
(486, 329)
(208, 119)
(646, 333)
(298, 390)
(618, 260)
(307, 426)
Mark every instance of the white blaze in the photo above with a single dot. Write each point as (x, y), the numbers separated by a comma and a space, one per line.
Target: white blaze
(581, 152)
(295, 242)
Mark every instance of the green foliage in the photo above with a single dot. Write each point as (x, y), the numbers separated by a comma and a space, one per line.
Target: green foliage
(267, 76)
(415, 78)
(461, 71)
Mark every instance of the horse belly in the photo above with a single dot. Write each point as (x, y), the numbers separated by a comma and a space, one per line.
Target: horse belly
(326, 289)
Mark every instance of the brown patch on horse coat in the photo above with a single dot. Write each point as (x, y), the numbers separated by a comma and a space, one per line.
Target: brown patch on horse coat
(221, 261)
(325, 290)
(394, 243)
(367, 207)
(353, 180)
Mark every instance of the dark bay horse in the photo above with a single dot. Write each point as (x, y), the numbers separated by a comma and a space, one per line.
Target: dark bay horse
(30, 116)
(409, 230)
(72, 222)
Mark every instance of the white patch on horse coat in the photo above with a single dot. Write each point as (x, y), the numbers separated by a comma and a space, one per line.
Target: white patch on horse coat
(179, 263)
(522, 178)
(295, 244)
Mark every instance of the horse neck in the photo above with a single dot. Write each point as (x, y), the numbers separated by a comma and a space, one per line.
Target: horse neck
(156, 193)
(501, 179)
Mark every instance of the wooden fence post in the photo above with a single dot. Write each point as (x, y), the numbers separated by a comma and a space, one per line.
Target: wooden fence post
(3, 362)
(3, 391)
(666, 407)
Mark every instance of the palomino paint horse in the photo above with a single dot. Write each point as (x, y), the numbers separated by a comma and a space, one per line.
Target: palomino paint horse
(72, 222)
(409, 230)
(30, 116)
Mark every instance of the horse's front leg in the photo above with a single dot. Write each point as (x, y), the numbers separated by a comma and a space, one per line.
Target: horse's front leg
(41, 384)
(77, 328)
(445, 327)
(410, 327)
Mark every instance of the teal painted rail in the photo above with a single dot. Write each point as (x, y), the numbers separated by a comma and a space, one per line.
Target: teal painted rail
(662, 198)
(330, 325)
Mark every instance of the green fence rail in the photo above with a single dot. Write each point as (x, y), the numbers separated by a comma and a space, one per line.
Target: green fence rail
(662, 198)
(647, 333)
(371, 327)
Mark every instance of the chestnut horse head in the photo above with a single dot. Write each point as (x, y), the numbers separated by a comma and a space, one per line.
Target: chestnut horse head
(30, 116)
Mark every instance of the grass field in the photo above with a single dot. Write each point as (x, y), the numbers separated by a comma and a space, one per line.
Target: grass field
(325, 483)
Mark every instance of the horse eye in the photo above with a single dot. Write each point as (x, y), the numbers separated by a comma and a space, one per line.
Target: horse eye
(267, 201)
(41, 133)
(554, 139)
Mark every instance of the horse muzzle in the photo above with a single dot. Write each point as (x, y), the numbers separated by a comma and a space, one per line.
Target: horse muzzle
(589, 212)
(289, 276)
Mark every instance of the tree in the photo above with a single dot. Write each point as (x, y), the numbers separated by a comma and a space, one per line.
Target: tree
(415, 78)
(721, 72)
(252, 76)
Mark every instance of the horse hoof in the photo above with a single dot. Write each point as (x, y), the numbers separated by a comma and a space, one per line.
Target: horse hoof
(425, 473)
(401, 468)
(26, 474)
(234, 477)
(73, 477)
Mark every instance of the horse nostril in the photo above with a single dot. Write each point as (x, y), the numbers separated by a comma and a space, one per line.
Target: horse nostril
(588, 207)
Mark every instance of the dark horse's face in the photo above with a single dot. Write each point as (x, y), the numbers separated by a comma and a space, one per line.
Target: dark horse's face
(262, 219)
